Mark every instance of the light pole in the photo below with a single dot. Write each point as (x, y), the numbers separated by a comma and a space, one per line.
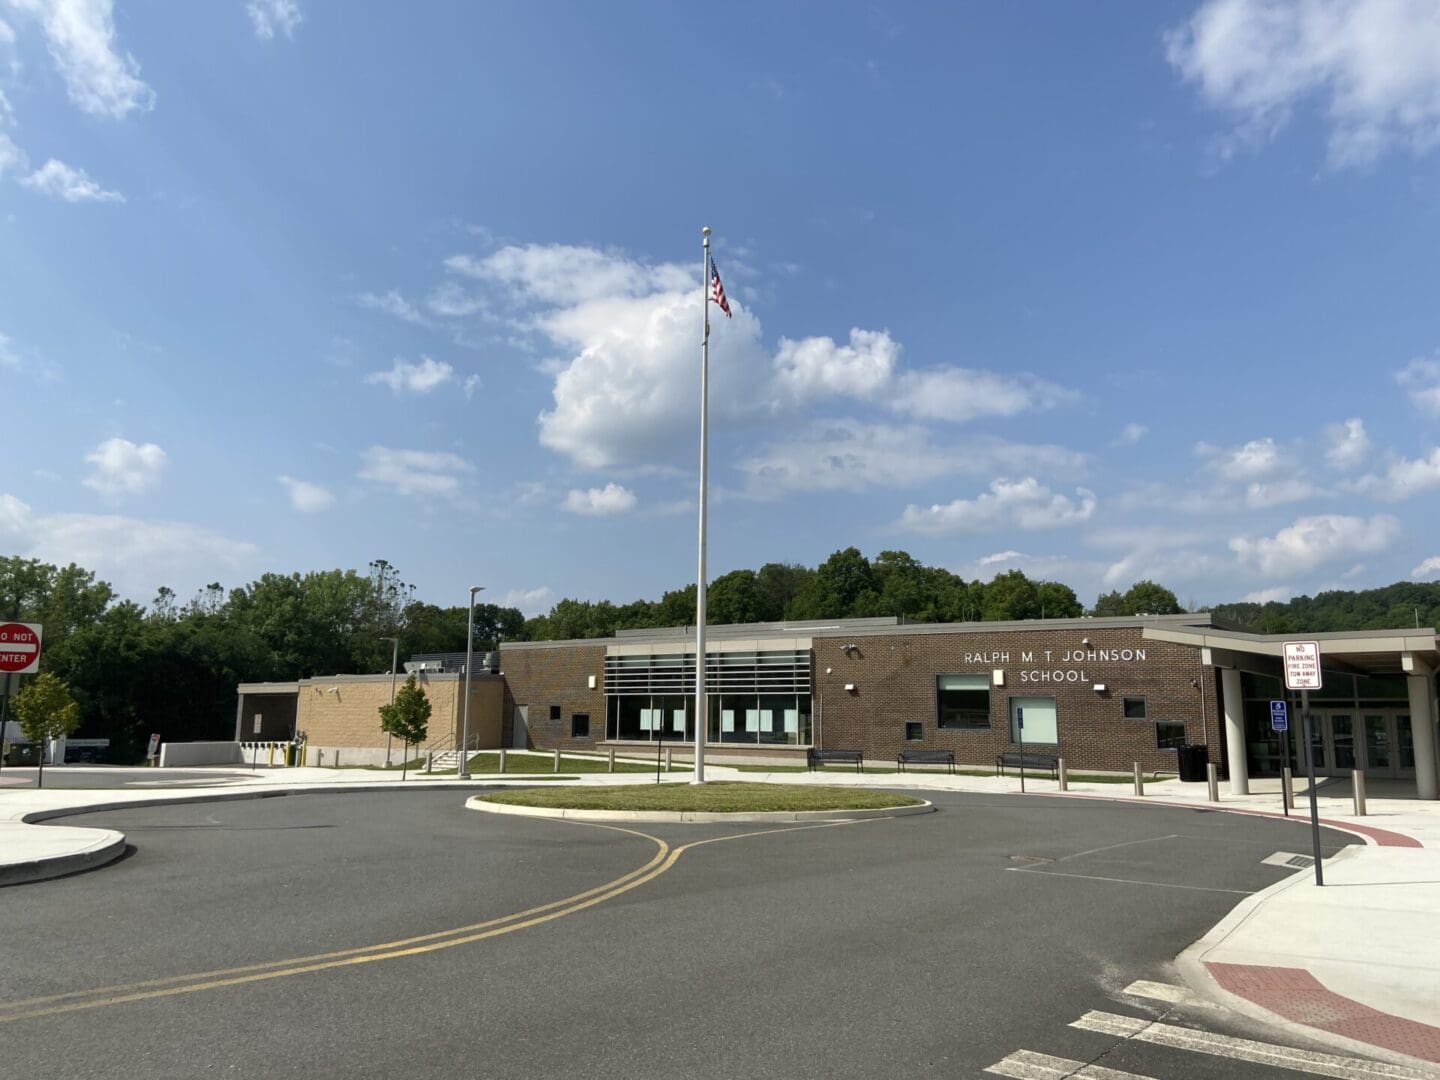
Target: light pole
(394, 660)
(462, 771)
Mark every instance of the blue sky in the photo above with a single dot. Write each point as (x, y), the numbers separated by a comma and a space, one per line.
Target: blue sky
(1100, 291)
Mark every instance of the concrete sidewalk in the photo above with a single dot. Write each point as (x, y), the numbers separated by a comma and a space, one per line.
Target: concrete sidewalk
(1356, 963)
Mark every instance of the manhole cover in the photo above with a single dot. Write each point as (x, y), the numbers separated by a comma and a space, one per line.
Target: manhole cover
(1030, 860)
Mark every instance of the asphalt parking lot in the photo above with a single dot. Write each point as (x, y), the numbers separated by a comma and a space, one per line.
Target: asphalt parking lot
(397, 934)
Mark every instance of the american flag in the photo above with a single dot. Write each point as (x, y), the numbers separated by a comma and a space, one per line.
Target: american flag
(717, 290)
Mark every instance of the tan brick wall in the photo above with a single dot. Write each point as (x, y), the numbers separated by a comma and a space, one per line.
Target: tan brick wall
(895, 681)
(346, 711)
(541, 678)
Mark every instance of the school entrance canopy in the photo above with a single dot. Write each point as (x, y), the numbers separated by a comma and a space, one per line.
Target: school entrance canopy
(1377, 710)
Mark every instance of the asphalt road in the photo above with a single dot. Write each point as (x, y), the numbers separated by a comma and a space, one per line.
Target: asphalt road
(920, 946)
(102, 777)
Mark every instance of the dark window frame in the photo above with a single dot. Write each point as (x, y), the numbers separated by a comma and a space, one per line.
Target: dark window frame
(575, 721)
(918, 726)
(1125, 712)
(1160, 744)
(554, 713)
(940, 722)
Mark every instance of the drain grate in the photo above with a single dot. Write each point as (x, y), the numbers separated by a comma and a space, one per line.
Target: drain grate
(1288, 859)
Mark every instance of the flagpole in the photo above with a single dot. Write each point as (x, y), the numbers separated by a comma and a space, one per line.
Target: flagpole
(702, 718)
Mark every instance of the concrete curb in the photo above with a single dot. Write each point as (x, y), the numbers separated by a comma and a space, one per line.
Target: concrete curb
(106, 846)
(475, 802)
(1191, 966)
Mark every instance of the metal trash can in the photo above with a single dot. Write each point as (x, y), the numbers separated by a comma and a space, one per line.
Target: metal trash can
(1192, 761)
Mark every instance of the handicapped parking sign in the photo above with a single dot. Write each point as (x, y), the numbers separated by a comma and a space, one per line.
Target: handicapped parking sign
(1279, 716)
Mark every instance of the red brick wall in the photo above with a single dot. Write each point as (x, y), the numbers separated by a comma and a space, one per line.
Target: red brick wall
(894, 678)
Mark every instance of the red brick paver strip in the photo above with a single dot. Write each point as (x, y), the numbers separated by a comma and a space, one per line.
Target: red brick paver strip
(1297, 995)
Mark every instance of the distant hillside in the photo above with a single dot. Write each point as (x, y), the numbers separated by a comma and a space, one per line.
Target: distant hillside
(1395, 606)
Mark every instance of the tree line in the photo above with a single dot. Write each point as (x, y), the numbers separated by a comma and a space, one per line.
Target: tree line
(172, 667)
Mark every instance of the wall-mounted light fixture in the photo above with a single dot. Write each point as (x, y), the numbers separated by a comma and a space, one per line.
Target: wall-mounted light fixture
(592, 682)
(850, 688)
(997, 677)
(1084, 641)
(1099, 688)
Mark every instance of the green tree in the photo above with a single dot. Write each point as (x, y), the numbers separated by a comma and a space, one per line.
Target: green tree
(408, 717)
(46, 711)
(734, 598)
(835, 589)
(1142, 598)
(776, 585)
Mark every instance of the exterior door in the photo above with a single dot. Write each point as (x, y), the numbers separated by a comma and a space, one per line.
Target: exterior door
(1332, 742)
(1380, 756)
(520, 733)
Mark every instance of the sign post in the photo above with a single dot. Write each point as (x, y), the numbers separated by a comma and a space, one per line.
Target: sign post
(154, 747)
(1020, 729)
(1302, 672)
(1280, 724)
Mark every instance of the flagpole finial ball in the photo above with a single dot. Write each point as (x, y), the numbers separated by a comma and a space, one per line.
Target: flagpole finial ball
(705, 231)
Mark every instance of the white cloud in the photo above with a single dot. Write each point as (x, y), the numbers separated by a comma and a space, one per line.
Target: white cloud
(270, 17)
(817, 367)
(9, 358)
(1039, 567)
(1349, 445)
(959, 394)
(1421, 380)
(12, 158)
(407, 378)
(600, 502)
(1372, 64)
(1274, 594)
(1403, 478)
(135, 555)
(850, 455)
(531, 602)
(1427, 567)
(1263, 494)
(471, 384)
(124, 468)
(414, 472)
(81, 38)
(451, 301)
(1310, 541)
(306, 497)
(1009, 504)
(393, 303)
(1132, 433)
(1255, 460)
(623, 339)
(61, 181)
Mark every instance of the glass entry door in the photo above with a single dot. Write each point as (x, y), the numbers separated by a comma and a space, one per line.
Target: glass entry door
(1332, 742)
(1381, 743)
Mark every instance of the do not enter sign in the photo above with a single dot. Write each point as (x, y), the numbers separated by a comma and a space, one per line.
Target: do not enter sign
(19, 648)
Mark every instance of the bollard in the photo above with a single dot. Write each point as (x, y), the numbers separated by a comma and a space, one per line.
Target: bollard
(1287, 786)
(1358, 782)
(557, 759)
(270, 761)
(1139, 780)
(337, 759)
(669, 758)
(429, 760)
(502, 759)
(1064, 776)
(612, 760)
(1212, 778)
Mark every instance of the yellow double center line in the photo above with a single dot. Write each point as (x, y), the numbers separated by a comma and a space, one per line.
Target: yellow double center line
(664, 858)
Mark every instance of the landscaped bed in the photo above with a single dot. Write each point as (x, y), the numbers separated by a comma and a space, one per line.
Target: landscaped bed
(719, 797)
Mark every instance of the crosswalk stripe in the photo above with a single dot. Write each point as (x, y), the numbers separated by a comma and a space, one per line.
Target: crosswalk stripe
(1171, 995)
(1028, 1065)
(1260, 1053)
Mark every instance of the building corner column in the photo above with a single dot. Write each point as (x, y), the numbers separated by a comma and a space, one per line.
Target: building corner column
(1422, 731)
(1233, 704)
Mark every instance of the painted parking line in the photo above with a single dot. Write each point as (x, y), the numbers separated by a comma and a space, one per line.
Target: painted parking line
(1028, 1065)
(1169, 994)
(1124, 881)
(1249, 1050)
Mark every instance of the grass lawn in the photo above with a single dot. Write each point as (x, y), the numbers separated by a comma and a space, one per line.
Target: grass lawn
(724, 797)
(527, 765)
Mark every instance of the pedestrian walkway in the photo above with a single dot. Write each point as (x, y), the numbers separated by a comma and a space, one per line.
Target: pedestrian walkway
(1166, 1046)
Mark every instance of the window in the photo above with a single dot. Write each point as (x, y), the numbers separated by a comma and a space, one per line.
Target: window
(962, 701)
(580, 726)
(914, 731)
(1169, 734)
(554, 712)
(1038, 714)
(1134, 708)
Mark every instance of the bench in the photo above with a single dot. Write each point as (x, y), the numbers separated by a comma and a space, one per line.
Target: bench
(1028, 760)
(926, 757)
(815, 756)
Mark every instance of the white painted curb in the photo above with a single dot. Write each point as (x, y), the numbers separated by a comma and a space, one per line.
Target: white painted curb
(476, 802)
(103, 846)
